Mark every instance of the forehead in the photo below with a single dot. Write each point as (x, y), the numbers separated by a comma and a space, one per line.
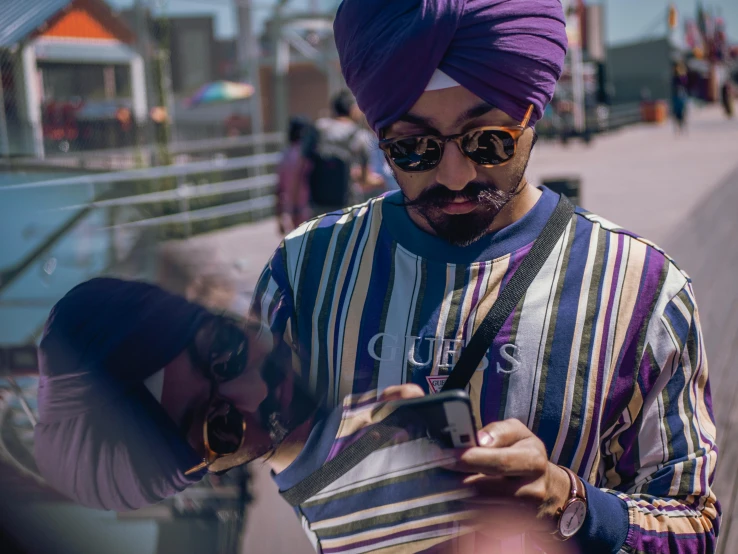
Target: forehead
(448, 110)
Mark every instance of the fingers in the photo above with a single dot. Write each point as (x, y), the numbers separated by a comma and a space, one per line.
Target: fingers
(500, 434)
(401, 392)
(524, 458)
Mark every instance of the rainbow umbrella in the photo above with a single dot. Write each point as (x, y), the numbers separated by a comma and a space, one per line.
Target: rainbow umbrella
(220, 91)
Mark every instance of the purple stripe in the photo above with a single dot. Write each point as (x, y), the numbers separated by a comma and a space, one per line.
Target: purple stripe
(614, 399)
(494, 382)
(476, 296)
(629, 363)
(341, 444)
(651, 541)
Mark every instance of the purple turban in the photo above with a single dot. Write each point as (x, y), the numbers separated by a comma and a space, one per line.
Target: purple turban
(102, 439)
(510, 53)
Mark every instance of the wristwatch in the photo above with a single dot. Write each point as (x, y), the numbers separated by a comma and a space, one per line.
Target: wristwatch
(570, 517)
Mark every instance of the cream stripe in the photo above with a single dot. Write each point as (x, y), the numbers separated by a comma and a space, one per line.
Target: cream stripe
(608, 273)
(409, 549)
(557, 256)
(356, 301)
(341, 277)
(629, 297)
(397, 461)
(576, 345)
(375, 534)
(476, 383)
(440, 333)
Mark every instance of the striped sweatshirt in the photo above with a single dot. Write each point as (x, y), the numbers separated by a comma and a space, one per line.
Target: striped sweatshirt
(602, 359)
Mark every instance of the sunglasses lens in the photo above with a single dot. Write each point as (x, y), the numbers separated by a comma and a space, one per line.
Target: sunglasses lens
(415, 154)
(491, 147)
(225, 429)
(229, 353)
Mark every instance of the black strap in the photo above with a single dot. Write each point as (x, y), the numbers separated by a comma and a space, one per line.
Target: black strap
(372, 441)
(383, 432)
(523, 277)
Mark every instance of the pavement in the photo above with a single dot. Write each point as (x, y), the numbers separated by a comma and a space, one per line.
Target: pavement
(680, 191)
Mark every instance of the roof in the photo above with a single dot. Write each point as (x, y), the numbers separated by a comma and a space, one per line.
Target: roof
(19, 18)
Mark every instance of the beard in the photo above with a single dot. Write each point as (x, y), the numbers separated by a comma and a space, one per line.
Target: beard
(463, 230)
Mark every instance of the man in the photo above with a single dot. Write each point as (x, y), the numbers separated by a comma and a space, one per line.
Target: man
(599, 369)
(337, 144)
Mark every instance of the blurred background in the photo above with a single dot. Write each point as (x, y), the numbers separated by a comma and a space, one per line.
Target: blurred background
(143, 138)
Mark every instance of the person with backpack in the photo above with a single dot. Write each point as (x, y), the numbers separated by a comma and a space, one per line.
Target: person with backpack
(335, 145)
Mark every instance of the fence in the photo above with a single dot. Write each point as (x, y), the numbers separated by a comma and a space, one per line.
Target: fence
(176, 201)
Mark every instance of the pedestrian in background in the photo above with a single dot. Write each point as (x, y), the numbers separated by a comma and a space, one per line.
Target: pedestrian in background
(679, 97)
(337, 145)
(727, 98)
(293, 188)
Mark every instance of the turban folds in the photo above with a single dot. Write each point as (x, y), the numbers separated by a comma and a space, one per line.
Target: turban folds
(102, 439)
(510, 53)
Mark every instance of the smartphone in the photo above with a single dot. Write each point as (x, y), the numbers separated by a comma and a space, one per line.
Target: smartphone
(445, 417)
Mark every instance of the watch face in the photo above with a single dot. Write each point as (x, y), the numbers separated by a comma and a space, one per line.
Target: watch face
(572, 518)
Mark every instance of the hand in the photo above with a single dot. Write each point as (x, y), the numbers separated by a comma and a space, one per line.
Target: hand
(401, 392)
(519, 488)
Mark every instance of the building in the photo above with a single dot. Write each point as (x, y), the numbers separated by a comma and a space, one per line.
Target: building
(62, 51)
(642, 70)
(192, 47)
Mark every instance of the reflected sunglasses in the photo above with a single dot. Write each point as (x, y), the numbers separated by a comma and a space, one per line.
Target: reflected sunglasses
(224, 427)
(485, 146)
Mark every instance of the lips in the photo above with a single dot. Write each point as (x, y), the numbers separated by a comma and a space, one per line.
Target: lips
(457, 207)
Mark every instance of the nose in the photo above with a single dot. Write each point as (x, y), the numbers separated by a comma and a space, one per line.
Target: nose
(245, 392)
(455, 170)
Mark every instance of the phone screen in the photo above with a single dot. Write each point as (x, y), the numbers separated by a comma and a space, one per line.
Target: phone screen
(446, 418)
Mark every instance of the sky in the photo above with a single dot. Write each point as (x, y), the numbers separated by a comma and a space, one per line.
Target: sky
(628, 20)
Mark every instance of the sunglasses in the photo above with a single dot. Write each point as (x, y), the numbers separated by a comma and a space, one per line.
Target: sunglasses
(224, 427)
(485, 146)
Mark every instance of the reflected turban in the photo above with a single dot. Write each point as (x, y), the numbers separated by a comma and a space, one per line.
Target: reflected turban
(510, 53)
(102, 439)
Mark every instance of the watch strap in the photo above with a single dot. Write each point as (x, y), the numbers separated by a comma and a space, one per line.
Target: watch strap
(576, 492)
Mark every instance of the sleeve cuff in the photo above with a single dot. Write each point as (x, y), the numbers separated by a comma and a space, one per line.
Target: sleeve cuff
(606, 526)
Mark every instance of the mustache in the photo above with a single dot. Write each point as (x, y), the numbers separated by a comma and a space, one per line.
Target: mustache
(484, 194)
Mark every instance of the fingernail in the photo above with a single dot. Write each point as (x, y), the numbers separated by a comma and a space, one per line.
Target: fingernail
(484, 438)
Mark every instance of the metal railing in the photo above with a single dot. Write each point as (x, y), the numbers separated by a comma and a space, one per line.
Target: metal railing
(237, 189)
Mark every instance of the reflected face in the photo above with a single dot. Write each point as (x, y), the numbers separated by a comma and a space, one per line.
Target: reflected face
(458, 200)
(191, 394)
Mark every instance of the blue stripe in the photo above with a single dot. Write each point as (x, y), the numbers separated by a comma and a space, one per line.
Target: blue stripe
(554, 396)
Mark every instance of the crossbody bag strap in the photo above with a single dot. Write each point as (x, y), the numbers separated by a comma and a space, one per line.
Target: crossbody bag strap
(516, 288)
